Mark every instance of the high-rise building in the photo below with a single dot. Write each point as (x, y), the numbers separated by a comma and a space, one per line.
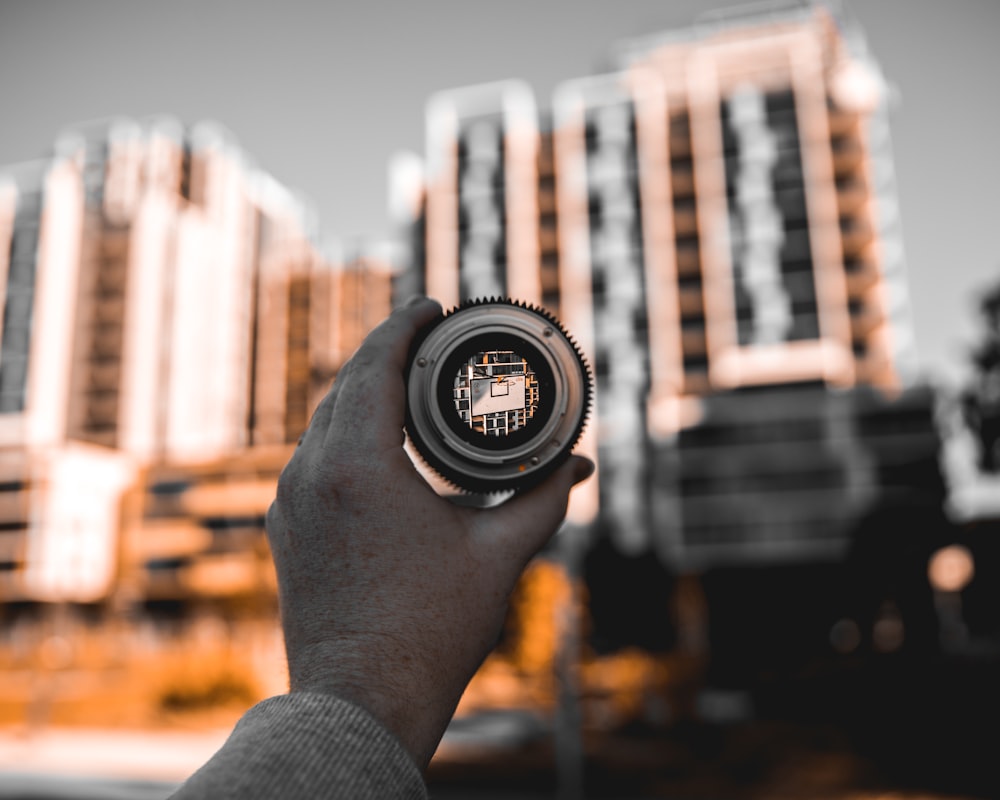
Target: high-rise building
(778, 129)
(780, 321)
(724, 245)
(141, 293)
(168, 320)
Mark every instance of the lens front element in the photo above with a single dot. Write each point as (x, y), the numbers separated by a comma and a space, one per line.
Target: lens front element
(496, 392)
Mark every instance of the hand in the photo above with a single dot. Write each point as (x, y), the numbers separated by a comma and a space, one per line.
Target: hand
(391, 596)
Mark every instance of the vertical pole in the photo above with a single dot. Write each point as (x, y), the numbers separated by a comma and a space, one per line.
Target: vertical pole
(568, 722)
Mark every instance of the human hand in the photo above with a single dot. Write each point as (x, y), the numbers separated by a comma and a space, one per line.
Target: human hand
(391, 596)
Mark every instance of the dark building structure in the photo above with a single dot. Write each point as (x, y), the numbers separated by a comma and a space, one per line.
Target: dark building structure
(716, 224)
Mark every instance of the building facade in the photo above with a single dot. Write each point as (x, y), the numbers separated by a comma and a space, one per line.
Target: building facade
(169, 319)
(715, 222)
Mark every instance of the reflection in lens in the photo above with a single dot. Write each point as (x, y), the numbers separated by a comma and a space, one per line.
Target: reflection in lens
(496, 392)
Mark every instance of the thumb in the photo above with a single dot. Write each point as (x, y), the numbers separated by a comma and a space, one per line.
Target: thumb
(519, 528)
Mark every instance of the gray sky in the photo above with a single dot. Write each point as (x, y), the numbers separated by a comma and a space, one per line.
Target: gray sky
(321, 94)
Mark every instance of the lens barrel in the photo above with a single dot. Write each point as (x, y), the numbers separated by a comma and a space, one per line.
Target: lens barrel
(497, 395)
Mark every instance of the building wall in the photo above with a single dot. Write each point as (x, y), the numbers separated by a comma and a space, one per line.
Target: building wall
(482, 194)
(724, 224)
(168, 318)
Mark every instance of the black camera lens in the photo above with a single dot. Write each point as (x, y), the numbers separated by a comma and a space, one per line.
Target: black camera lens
(497, 395)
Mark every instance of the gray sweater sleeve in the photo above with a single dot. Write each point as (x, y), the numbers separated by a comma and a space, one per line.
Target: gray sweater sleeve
(307, 745)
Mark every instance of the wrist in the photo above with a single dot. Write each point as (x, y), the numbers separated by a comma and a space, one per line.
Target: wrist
(410, 713)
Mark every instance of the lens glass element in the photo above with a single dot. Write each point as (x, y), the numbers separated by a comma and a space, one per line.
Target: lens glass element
(496, 392)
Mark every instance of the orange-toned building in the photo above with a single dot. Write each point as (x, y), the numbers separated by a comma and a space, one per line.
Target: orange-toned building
(169, 324)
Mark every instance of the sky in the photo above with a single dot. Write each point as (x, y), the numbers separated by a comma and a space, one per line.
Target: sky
(321, 95)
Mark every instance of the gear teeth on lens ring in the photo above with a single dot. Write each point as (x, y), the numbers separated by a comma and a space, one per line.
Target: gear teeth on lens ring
(455, 459)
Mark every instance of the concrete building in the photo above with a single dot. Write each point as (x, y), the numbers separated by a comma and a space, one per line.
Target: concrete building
(715, 222)
(168, 319)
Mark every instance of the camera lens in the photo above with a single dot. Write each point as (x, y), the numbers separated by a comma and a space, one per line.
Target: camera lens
(497, 395)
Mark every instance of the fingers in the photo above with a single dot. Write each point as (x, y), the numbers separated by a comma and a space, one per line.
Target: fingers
(373, 386)
(521, 526)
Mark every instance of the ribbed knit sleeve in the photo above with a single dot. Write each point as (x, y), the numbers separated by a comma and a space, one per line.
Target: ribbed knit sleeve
(307, 745)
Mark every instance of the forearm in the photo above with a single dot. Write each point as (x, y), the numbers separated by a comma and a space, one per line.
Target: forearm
(307, 745)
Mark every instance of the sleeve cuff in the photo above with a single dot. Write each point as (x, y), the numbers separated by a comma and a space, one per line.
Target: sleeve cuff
(305, 745)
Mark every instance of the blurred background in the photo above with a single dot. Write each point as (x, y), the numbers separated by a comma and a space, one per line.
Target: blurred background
(768, 227)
